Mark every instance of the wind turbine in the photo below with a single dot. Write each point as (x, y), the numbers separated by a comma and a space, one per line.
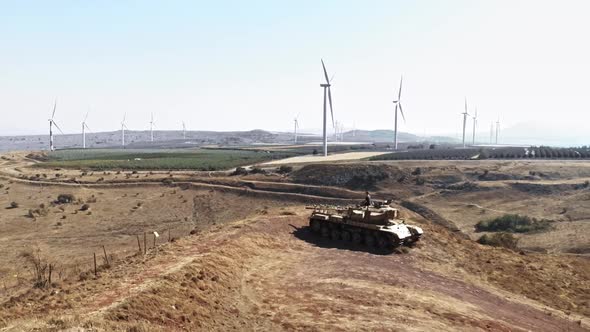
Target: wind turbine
(152, 124)
(84, 127)
(474, 125)
(183, 130)
(465, 114)
(51, 124)
(296, 121)
(492, 133)
(327, 93)
(123, 127)
(398, 105)
(497, 130)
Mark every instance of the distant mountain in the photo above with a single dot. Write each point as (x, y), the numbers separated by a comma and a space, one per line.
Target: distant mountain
(536, 133)
(141, 139)
(386, 136)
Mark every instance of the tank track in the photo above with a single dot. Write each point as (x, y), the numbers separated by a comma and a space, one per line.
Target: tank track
(355, 235)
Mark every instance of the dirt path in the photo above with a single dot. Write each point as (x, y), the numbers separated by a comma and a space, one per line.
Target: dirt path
(318, 159)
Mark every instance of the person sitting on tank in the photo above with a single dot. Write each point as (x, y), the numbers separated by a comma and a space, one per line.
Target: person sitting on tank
(368, 201)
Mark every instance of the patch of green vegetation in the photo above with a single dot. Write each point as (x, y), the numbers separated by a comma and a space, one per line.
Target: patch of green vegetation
(193, 159)
(505, 240)
(513, 223)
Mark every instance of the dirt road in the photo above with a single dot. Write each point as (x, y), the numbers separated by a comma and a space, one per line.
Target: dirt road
(319, 159)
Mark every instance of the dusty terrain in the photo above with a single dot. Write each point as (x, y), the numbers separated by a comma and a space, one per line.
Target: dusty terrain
(330, 158)
(255, 266)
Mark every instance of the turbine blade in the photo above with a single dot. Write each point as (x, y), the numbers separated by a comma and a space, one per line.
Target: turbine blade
(399, 93)
(86, 117)
(56, 126)
(401, 111)
(54, 107)
(325, 72)
(331, 110)
(124, 116)
(332, 78)
(85, 125)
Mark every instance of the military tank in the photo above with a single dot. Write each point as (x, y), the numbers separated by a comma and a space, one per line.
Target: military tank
(376, 225)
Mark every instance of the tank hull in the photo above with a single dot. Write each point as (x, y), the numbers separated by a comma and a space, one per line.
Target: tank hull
(347, 225)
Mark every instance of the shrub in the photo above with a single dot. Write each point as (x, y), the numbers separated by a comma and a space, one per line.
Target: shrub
(13, 205)
(505, 240)
(513, 223)
(315, 152)
(257, 170)
(284, 169)
(417, 171)
(40, 267)
(84, 207)
(240, 171)
(65, 198)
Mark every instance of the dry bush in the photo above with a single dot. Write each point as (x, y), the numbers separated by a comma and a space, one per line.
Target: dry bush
(513, 223)
(65, 198)
(13, 205)
(505, 240)
(85, 207)
(42, 270)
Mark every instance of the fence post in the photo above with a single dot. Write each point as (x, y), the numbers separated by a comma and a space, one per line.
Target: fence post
(95, 271)
(49, 277)
(106, 258)
(138, 243)
(144, 244)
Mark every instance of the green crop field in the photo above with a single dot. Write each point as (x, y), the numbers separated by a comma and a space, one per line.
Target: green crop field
(185, 159)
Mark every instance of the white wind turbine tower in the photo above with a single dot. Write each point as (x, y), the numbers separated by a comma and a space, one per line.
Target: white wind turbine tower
(497, 130)
(51, 124)
(84, 127)
(296, 122)
(492, 133)
(183, 130)
(123, 127)
(152, 124)
(474, 125)
(398, 105)
(465, 114)
(328, 94)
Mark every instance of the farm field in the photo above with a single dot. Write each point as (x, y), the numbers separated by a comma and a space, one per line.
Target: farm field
(241, 256)
(184, 159)
(455, 153)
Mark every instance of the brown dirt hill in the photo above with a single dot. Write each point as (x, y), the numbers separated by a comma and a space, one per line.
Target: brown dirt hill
(270, 273)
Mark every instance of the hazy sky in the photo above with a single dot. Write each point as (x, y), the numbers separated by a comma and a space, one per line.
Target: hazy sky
(239, 65)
